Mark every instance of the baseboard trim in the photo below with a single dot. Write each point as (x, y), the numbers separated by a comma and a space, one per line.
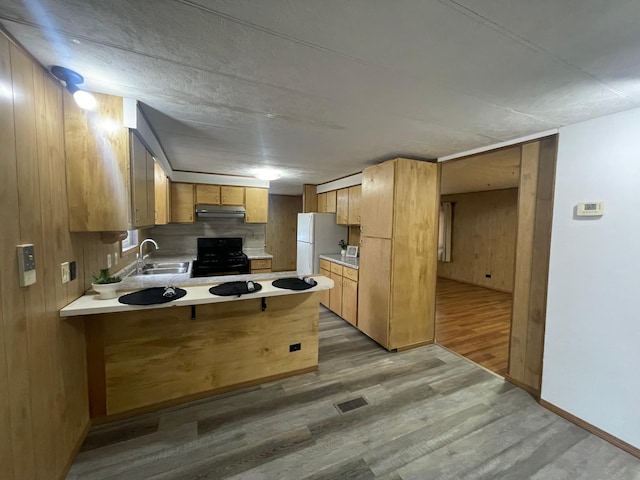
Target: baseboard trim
(100, 420)
(413, 345)
(75, 451)
(592, 428)
(530, 390)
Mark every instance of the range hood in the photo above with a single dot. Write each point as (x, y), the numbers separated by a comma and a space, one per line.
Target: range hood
(219, 211)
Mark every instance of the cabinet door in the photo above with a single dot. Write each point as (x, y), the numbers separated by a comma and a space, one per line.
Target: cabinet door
(335, 298)
(182, 202)
(138, 182)
(325, 294)
(331, 201)
(231, 195)
(97, 166)
(322, 203)
(161, 187)
(342, 206)
(209, 194)
(354, 204)
(350, 301)
(374, 288)
(257, 205)
(377, 200)
(150, 216)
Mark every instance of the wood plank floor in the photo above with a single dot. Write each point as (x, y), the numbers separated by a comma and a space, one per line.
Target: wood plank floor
(474, 322)
(431, 414)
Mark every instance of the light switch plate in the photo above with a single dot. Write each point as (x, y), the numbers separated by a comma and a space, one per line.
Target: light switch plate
(26, 264)
(108, 260)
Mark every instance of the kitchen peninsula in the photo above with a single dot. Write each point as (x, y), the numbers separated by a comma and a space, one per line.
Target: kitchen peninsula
(142, 358)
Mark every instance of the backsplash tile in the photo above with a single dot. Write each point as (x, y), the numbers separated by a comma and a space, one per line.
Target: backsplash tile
(179, 238)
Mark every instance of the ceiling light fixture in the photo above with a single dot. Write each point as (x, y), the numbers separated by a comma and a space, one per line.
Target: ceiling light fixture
(267, 174)
(71, 81)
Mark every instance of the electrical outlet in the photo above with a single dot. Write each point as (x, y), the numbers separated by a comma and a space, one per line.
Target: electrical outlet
(294, 347)
(65, 271)
(108, 260)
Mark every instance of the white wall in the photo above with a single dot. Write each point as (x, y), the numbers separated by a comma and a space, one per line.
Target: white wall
(592, 341)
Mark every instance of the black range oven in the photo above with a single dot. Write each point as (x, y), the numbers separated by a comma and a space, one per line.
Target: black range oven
(220, 256)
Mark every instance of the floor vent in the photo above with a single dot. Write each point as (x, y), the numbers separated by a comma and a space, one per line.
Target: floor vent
(349, 405)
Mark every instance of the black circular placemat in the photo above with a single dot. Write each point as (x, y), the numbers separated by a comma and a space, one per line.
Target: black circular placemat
(150, 296)
(292, 284)
(229, 289)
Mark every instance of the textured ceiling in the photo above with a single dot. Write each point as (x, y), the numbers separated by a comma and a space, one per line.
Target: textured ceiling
(321, 89)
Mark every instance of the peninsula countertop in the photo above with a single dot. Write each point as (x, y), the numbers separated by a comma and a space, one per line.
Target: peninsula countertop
(197, 294)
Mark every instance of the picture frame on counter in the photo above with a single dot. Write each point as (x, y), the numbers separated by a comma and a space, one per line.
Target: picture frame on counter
(352, 251)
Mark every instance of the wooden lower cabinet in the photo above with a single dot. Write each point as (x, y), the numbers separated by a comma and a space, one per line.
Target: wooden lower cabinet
(261, 265)
(375, 288)
(342, 299)
(335, 297)
(325, 295)
(350, 301)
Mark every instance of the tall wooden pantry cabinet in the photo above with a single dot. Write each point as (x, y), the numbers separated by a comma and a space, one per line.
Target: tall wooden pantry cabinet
(398, 252)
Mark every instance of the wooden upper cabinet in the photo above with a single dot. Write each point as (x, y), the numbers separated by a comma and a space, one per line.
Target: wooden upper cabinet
(231, 195)
(97, 166)
(331, 201)
(322, 203)
(209, 194)
(150, 218)
(377, 200)
(182, 202)
(257, 205)
(161, 187)
(142, 185)
(354, 204)
(342, 206)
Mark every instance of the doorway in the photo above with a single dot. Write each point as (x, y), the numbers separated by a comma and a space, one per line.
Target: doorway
(478, 222)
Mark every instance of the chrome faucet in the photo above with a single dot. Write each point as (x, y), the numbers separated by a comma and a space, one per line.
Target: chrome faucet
(140, 261)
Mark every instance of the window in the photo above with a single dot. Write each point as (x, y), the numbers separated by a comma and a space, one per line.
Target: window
(131, 241)
(444, 233)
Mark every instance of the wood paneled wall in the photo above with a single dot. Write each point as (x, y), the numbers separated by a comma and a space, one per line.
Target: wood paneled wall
(483, 239)
(281, 231)
(535, 210)
(44, 409)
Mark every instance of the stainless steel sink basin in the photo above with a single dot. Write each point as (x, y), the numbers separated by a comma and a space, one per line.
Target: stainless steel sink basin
(167, 265)
(160, 271)
(167, 268)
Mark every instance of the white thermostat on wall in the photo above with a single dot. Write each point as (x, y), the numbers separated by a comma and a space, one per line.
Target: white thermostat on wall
(590, 209)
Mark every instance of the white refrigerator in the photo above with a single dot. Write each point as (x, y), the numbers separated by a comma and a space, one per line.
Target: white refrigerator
(318, 234)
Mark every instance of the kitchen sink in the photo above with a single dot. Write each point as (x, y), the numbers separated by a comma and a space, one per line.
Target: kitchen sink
(168, 268)
(178, 265)
(160, 271)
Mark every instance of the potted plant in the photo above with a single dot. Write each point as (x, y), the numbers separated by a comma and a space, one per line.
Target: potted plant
(343, 246)
(105, 285)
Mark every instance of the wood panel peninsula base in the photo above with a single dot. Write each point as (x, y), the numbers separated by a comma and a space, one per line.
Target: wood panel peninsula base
(143, 360)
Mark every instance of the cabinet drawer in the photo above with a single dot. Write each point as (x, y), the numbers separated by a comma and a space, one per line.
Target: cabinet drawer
(350, 273)
(335, 268)
(261, 264)
(325, 264)
(261, 270)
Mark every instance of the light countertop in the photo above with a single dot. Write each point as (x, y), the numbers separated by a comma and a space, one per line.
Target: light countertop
(257, 254)
(351, 262)
(197, 294)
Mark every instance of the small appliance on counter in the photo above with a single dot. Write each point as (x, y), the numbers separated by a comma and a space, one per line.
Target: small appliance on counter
(220, 256)
(318, 234)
